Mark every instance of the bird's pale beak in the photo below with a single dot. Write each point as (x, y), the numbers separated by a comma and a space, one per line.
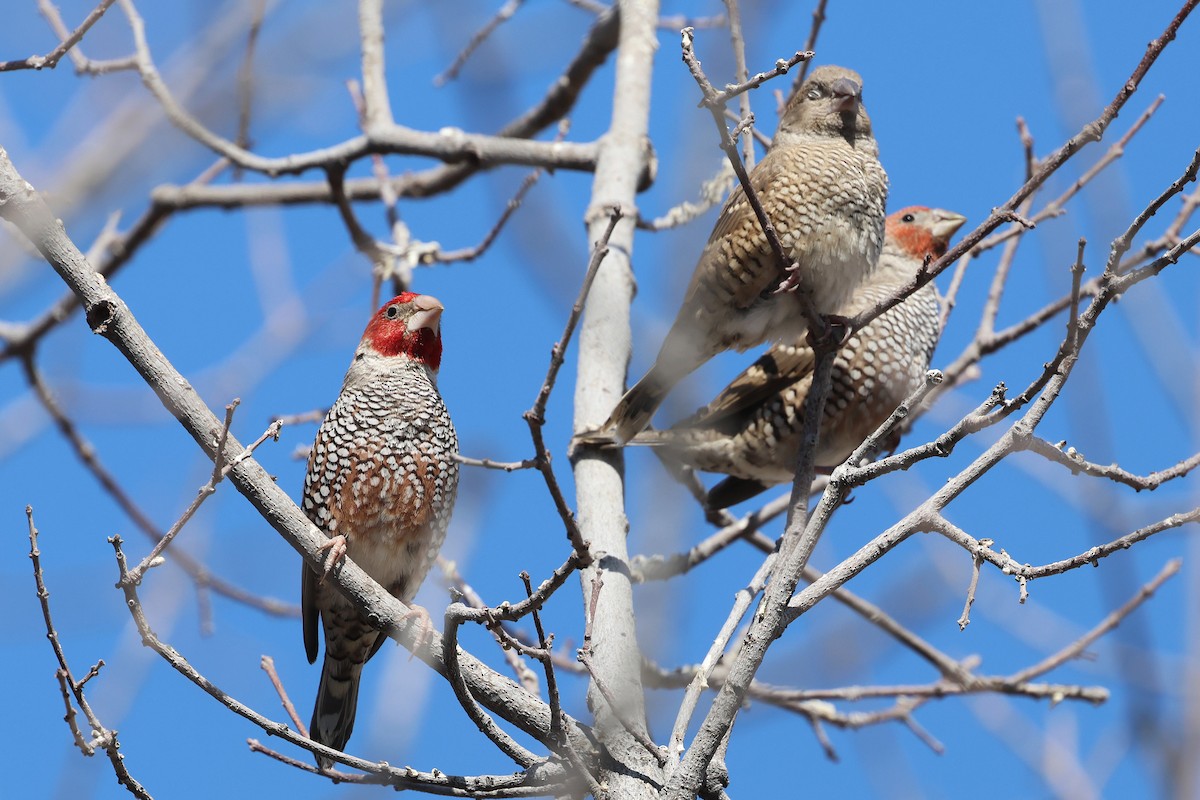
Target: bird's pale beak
(945, 224)
(846, 95)
(428, 313)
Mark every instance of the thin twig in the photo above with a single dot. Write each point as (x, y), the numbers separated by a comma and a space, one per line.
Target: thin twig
(102, 737)
(584, 655)
(268, 665)
(245, 79)
(976, 563)
(458, 583)
(1074, 461)
(51, 59)
(86, 452)
(699, 682)
(404, 778)
(509, 612)
(487, 463)
(558, 738)
(818, 18)
(483, 721)
(1056, 207)
(1027, 145)
(207, 490)
(505, 13)
(385, 136)
(738, 43)
(535, 417)
(1023, 573)
(658, 567)
(1107, 624)
(991, 308)
(471, 253)
(712, 192)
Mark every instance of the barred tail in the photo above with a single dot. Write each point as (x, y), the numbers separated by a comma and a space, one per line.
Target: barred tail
(633, 412)
(630, 417)
(337, 702)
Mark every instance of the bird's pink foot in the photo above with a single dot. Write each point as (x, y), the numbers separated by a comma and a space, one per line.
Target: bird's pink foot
(336, 545)
(790, 282)
(426, 624)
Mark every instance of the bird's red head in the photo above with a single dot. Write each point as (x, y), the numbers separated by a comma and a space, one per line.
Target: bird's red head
(408, 324)
(921, 231)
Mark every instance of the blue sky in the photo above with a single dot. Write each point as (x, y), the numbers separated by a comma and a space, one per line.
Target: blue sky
(267, 304)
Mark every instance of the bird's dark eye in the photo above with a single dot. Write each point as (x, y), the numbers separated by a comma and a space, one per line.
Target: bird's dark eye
(392, 312)
(815, 93)
(908, 218)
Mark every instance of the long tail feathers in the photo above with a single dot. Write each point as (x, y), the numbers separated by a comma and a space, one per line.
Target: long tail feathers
(680, 355)
(337, 702)
(632, 413)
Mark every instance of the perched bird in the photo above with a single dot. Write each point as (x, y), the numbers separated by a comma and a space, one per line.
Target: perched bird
(753, 429)
(381, 484)
(824, 190)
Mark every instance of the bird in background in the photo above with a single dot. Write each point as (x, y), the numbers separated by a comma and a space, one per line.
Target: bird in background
(753, 429)
(824, 190)
(381, 484)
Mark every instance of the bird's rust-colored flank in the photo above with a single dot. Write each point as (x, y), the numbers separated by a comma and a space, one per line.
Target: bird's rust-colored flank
(381, 484)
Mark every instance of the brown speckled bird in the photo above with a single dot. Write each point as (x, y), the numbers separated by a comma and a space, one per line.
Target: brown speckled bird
(824, 190)
(381, 483)
(752, 430)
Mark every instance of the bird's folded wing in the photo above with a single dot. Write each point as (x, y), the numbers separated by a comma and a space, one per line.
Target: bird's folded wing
(778, 368)
(737, 263)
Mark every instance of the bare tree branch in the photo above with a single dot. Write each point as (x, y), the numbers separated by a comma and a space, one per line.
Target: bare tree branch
(51, 59)
(604, 341)
(102, 738)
